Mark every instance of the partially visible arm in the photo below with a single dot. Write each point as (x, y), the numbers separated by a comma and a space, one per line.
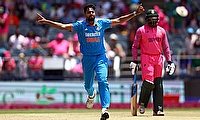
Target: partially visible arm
(136, 45)
(58, 25)
(121, 50)
(125, 18)
(3, 20)
(166, 48)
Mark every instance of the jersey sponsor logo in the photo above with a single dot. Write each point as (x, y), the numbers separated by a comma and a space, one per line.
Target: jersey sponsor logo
(92, 39)
(154, 39)
(96, 34)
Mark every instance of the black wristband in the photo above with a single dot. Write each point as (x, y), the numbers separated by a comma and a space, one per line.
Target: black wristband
(169, 62)
(135, 61)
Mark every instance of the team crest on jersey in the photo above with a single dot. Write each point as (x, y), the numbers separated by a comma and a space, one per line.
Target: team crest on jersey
(98, 28)
(159, 31)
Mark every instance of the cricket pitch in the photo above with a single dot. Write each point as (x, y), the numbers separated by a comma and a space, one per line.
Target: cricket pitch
(94, 114)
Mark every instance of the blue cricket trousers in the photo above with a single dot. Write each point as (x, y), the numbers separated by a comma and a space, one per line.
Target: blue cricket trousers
(97, 66)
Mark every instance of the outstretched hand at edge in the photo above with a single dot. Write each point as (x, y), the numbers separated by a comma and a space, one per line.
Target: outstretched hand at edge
(140, 9)
(40, 18)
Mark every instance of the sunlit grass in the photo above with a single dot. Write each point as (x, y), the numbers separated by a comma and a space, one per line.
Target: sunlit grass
(28, 111)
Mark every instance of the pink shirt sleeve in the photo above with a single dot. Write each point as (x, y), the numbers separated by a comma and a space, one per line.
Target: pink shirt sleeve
(136, 44)
(166, 47)
(50, 44)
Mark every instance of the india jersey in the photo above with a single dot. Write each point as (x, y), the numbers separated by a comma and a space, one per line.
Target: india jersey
(91, 38)
(152, 41)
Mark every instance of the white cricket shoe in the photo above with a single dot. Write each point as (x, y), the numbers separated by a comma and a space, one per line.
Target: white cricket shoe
(104, 115)
(159, 113)
(90, 100)
(141, 109)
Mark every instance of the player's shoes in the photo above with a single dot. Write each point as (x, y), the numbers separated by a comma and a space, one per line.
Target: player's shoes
(104, 115)
(141, 109)
(90, 100)
(159, 113)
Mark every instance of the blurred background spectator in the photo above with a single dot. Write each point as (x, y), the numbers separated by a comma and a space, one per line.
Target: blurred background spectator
(71, 61)
(177, 20)
(13, 18)
(35, 63)
(195, 67)
(9, 66)
(31, 13)
(31, 42)
(190, 40)
(116, 54)
(197, 41)
(163, 19)
(1, 65)
(16, 42)
(184, 68)
(57, 12)
(60, 46)
(22, 67)
(4, 25)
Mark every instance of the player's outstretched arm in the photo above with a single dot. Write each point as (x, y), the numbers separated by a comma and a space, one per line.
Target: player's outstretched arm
(58, 25)
(125, 18)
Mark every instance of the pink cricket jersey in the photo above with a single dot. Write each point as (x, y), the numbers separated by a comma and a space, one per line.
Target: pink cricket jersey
(60, 48)
(151, 41)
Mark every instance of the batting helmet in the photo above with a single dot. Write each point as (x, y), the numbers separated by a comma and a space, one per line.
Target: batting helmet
(152, 17)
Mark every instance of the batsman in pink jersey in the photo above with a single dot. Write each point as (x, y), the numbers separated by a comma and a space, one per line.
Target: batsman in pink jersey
(152, 41)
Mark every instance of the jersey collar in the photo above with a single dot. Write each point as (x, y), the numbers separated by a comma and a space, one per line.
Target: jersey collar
(87, 23)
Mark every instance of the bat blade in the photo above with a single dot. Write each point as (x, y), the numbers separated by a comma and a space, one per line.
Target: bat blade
(134, 97)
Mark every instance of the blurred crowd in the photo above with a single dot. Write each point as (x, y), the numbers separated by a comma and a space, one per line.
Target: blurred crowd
(24, 43)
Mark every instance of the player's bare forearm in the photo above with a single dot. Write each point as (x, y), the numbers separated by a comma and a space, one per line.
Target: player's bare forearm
(125, 18)
(58, 25)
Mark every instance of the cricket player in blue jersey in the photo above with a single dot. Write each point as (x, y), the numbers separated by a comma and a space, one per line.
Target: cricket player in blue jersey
(95, 63)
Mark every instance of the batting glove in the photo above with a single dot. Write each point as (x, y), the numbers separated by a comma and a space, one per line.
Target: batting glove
(133, 67)
(170, 69)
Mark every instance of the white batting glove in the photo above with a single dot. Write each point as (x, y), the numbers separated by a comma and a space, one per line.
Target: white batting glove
(133, 66)
(170, 69)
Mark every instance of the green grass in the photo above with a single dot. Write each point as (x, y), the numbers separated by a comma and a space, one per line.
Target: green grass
(35, 111)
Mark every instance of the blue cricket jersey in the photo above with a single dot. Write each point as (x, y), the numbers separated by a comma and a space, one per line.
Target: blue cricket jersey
(91, 38)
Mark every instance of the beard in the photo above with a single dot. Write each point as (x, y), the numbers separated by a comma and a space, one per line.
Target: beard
(91, 19)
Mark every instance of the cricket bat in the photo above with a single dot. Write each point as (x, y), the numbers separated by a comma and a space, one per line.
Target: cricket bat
(134, 96)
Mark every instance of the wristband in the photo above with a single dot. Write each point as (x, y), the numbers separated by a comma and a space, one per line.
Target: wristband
(169, 62)
(135, 14)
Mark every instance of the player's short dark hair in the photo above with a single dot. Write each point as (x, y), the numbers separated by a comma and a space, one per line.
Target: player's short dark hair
(89, 6)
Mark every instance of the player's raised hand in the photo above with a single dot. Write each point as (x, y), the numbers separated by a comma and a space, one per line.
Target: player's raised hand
(140, 9)
(41, 19)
